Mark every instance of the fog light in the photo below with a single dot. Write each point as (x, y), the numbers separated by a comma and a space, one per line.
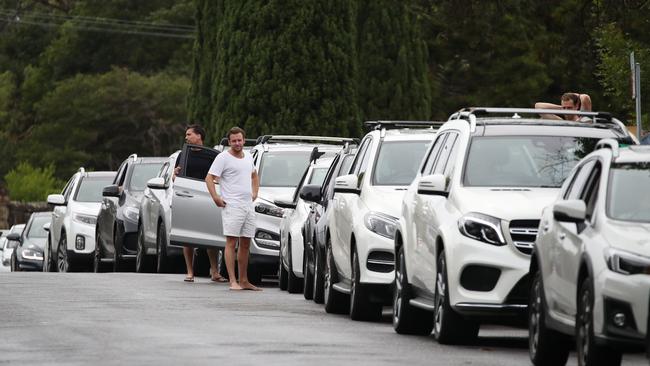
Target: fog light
(80, 243)
(619, 319)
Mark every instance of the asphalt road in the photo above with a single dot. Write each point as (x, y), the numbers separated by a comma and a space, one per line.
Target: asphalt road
(142, 319)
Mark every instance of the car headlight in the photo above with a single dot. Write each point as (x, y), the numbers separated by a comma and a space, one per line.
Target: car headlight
(32, 254)
(131, 213)
(266, 209)
(482, 228)
(627, 263)
(84, 219)
(380, 224)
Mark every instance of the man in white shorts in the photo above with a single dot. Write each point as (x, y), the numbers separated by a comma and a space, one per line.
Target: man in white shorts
(239, 186)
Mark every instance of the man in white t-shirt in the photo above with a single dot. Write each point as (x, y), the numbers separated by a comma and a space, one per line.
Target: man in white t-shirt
(239, 185)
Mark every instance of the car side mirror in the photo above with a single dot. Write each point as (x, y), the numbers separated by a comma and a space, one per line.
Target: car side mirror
(311, 193)
(46, 226)
(285, 204)
(111, 191)
(434, 185)
(56, 199)
(347, 184)
(157, 183)
(570, 211)
(13, 236)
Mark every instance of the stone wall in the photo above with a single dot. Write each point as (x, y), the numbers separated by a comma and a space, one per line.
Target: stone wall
(12, 212)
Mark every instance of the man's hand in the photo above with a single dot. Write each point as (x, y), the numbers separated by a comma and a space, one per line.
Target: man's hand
(220, 202)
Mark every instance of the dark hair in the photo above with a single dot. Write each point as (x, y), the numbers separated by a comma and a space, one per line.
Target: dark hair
(574, 97)
(197, 130)
(235, 130)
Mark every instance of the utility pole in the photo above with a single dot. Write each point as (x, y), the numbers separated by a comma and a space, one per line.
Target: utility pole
(635, 70)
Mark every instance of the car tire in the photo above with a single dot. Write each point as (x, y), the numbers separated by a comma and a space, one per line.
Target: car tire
(294, 283)
(407, 319)
(335, 302)
(545, 346)
(319, 276)
(162, 261)
(143, 263)
(449, 326)
(361, 308)
(62, 260)
(14, 265)
(254, 275)
(118, 261)
(98, 265)
(48, 264)
(590, 353)
(308, 280)
(283, 275)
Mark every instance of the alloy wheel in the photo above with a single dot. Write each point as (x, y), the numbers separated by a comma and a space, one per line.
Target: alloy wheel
(397, 298)
(584, 328)
(439, 297)
(62, 254)
(534, 317)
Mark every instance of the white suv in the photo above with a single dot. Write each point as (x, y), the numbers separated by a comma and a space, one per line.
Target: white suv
(469, 219)
(591, 263)
(71, 240)
(366, 202)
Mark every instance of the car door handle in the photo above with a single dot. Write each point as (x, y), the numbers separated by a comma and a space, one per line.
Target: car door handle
(561, 236)
(184, 194)
(546, 228)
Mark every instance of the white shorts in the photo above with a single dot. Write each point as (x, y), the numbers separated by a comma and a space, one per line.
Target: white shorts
(238, 221)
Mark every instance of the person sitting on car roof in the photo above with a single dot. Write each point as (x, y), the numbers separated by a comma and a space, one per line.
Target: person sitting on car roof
(573, 101)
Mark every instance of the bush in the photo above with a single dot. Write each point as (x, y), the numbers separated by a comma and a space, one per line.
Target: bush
(27, 183)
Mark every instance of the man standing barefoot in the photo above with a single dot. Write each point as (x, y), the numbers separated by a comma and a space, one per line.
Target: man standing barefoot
(239, 184)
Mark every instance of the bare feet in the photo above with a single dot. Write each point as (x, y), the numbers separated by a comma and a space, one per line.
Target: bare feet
(249, 286)
(234, 286)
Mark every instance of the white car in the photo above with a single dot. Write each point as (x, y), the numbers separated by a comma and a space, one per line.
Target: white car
(154, 251)
(10, 245)
(71, 240)
(359, 264)
(591, 263)
(469, 219)
(280, 161)
(292, 244)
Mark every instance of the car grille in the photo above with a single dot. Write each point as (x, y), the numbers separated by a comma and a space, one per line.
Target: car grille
(523, 234)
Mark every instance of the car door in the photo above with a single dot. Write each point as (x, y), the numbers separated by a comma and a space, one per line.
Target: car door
(153, 199)
(196, 219)
(563, 243)
(106, 217)
(415, 219)
(58, 214)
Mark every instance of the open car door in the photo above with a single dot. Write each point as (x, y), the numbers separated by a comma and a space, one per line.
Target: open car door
(196, 219)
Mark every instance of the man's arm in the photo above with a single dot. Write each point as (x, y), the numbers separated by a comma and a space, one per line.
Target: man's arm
(542, 105)
(256, 184)
(209, 181)
(585, 102)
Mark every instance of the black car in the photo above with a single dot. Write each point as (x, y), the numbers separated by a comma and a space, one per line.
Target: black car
(316, 228)
(28, 255)
(116, 231)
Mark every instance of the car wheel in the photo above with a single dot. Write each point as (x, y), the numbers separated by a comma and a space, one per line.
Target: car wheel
(449, 327)
(319, 276)
(98, 266)
(62, 262)
(407, 319)
(47, 261)
(545, 346)
(283, 276)
(118, 266)
(335, 302)
(162, 261)
(590, 353)
(361, 308)
(308, 281)
(294, 283)
(143, 263)
(14, 265)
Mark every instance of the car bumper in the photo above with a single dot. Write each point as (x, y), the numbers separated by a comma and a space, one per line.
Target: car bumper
(260, 246)
(484, 279)
(617, 294)
(85, 234)
(376, 257)
(30, 265)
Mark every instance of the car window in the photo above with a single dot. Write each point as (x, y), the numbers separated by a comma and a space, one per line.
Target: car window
(141, 174)
(35, 229)
(67, 186)
(90, 189)
(445, 153)
(196, 161)
(579, 181)
(590, 193)
(427, 167)
(398, 162)
(318, 176)
(628, 194)
(121, 174)
(283, 168)
(345, 165)
(68, 191)
(360, 155)
(523, 161)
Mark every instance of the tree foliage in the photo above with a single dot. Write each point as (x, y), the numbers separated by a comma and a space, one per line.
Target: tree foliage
(28, 184)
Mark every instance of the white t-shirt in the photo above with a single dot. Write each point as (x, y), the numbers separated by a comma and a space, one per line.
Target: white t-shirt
(234, 178)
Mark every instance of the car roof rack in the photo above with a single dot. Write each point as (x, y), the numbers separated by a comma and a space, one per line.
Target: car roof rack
(247, 142)
(134, 157)
(82, 170)
(391, 125)
(609, 144)
(264, 139)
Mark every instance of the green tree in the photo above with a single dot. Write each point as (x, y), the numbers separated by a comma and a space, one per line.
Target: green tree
(28, 184)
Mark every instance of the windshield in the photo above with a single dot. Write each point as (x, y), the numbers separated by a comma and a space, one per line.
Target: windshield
(628, 196)
(398, 161)
(283, 169)
(141, 174)
(36, 227)
(318, 176)
(90, 189)
(524, 161)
